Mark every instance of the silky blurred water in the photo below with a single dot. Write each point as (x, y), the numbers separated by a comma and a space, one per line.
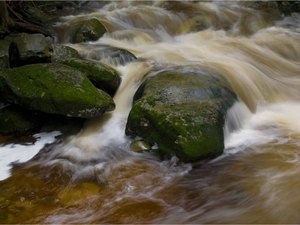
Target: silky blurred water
(93, 177)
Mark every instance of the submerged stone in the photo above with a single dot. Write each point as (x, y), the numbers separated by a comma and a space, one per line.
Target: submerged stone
(100, 74)
(29, 49)
(109, 54)
(182, 111)
(140, 146)
(87, 30)
(53, 88)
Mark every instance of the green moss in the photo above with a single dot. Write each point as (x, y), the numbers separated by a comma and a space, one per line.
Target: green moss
(55, 88)
(183, 113)
(101, 75)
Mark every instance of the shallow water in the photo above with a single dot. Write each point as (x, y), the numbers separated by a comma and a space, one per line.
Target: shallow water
(93, 177)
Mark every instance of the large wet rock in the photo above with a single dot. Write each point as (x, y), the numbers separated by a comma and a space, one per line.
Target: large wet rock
(17, 121)
(4, 53)
(61, 52)
(101, 75)
(53, 88)
(87, 30)
(29, 49)
(182, 111)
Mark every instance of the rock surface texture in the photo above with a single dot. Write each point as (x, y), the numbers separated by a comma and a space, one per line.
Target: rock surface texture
(53, 88)
(182, 111)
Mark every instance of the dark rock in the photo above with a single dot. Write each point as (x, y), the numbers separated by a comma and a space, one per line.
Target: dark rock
(53, 88)
(66, 125)
(4, 53)
(88, 30)
(61, 52)
(36, 16)
(101, 75)
(29, 49)
(289, 7)
(17, 121)
(182, 111)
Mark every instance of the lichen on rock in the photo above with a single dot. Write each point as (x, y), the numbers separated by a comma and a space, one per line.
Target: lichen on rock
(53, 88)
(183, 112)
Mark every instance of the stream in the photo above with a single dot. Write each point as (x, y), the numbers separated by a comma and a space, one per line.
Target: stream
(94, 177)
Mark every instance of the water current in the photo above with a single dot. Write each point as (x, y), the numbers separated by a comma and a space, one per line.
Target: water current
(93, 177)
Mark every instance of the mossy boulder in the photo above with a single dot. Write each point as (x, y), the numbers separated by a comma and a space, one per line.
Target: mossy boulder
(53, 88)
(182, 111)
(61, 52)
(100, 74)
(87, 30)
(4, 53)
(17, 121)
(29, 49)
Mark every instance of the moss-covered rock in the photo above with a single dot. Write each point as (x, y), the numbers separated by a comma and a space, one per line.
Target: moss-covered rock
(182, 112)
(17, 121)
(29, 49)
(101, 75)
(61, 52)
(87, 30)
(4, 53)
(53, 88)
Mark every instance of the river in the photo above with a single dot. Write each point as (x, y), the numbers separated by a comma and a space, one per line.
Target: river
(93, 177)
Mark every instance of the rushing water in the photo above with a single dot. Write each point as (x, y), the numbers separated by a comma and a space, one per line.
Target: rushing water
(93, 177)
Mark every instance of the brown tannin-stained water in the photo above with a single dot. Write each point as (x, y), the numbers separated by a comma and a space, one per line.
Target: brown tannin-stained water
(93, 177)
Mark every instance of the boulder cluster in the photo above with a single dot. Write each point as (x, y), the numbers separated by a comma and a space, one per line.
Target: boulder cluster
(41, 80)
(46, 86)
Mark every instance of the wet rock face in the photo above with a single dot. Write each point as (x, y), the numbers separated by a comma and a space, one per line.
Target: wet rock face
(100, 74)
(29, 49)
(182, 111)
(53, 88)
(17, 121)
(4, 53)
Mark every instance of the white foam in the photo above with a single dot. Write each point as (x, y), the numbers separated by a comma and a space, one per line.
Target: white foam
(270, 124)
(21, 153)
